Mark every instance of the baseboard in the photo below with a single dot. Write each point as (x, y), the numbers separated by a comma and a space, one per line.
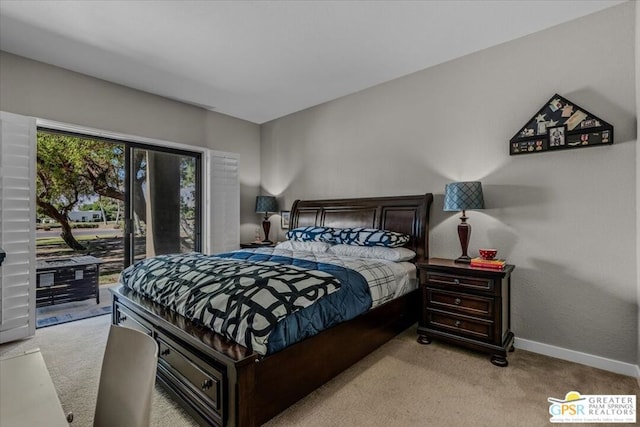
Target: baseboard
(610, 365)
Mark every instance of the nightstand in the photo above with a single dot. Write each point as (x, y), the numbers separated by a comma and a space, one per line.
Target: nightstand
(257, 245)
(467, 306)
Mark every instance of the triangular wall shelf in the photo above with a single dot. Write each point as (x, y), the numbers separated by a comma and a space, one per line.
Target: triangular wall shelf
(558, 125)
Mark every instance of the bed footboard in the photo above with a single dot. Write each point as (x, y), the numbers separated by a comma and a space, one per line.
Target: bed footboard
(221, 383)
(199, 368)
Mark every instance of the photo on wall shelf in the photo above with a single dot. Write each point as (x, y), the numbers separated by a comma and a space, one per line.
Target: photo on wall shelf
(556, 136)
(284, 219)
(560, 124)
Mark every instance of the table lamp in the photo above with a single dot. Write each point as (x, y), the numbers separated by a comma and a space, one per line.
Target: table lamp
(460, 196)
(264, 205)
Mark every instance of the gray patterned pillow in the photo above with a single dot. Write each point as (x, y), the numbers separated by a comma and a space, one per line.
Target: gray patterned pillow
(312, 234)
(370, 237)
(377, 252)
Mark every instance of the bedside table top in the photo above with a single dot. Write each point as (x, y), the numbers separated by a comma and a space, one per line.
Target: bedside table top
(257, 245)
(443, 264)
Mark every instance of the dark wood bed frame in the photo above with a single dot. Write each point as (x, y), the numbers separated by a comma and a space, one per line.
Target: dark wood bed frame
(222, 383)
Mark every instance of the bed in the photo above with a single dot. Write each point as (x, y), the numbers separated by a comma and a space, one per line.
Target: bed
(223, 383)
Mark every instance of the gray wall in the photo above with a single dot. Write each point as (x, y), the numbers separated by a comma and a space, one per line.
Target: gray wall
(566, 219)
(637, 169)
(47, 92)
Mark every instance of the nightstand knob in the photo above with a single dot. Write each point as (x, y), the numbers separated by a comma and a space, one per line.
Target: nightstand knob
(458, 323)
(457, 301)
(456, 281)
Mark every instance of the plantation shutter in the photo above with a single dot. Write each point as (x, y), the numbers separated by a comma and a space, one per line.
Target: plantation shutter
(224, 202)
(17, 226)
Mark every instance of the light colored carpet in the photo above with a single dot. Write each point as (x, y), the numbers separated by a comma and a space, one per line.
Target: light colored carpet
(402, 384)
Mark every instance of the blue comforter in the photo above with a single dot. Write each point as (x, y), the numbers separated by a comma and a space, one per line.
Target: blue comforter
(264, 299)
(350, 300)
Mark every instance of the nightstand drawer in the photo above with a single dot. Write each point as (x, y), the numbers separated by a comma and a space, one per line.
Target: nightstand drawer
(461, 325)
(463, 282)
(462, 303)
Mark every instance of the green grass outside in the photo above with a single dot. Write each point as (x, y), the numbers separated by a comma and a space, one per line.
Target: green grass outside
(49, 241)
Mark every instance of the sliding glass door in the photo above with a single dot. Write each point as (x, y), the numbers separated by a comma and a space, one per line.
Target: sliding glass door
(163, 201)
(117, 200)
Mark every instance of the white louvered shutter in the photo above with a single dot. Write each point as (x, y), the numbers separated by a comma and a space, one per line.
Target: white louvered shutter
(17, 226)
(223, 213)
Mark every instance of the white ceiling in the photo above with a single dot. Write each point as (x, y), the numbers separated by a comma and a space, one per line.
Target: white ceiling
(260, 60)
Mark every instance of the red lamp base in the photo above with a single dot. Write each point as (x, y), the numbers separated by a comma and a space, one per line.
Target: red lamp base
(266, 226)
(464, 231)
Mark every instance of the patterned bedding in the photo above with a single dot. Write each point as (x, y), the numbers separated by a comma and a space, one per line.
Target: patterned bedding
(265, 299)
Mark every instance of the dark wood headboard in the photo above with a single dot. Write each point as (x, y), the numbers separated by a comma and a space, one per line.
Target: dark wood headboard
(402, 214)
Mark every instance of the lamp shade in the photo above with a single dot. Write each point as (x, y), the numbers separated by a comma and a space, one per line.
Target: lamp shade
(266, 204)
(460, 196)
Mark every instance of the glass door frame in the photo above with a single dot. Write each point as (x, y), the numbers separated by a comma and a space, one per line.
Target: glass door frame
(128, 232)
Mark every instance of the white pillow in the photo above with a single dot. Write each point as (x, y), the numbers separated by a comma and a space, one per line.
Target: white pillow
(378, 252)
(294, 245)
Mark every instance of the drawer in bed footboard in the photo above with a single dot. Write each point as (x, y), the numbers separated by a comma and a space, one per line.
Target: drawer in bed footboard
(124, 317)
(196, 380)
